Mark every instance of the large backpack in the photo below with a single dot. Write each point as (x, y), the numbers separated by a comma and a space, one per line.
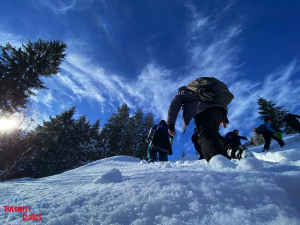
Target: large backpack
(260, 129)
(228, 136)
(211, 90)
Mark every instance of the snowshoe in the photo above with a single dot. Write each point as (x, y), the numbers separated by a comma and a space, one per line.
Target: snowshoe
(240, 153)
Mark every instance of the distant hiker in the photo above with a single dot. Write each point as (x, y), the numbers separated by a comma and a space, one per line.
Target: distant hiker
(205, 100)
(234, 137)
(268, 133)
(195, 142)
(160, 142)
(290, 119)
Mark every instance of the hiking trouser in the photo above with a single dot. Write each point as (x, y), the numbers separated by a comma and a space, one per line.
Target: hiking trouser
(152, 155)
(211, 142)
(194, 139)
(198, 149)
(267, 135)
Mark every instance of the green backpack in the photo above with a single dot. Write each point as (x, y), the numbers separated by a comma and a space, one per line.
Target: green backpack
(211, 90)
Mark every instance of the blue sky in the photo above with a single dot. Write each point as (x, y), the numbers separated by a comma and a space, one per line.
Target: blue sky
(140, 52)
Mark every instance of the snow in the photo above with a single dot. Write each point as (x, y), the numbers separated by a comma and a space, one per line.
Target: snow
(126, 190)
(220, 162)
(250, 164)
(113, 175)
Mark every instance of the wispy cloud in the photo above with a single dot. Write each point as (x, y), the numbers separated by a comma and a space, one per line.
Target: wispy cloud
(281, 87)
(14, 40)
(62, 6)
(58, 6)
(212, 51)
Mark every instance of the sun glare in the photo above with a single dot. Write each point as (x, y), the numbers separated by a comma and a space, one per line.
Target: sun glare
(6, 124)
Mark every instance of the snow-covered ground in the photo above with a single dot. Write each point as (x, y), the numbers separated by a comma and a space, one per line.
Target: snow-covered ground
(124, 190)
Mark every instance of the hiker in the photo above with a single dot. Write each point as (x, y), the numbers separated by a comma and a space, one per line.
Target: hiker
(234, 137)
(160, 142)
(268, 133)
(194, 139)
(209, 109)
(290, 119)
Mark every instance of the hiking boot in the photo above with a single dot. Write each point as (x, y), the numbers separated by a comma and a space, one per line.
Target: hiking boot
(230, 153)
(265, 149)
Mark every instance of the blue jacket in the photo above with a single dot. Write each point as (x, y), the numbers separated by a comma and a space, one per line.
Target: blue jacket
(268, 126)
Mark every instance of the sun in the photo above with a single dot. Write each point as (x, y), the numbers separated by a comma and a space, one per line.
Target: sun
(6, 124)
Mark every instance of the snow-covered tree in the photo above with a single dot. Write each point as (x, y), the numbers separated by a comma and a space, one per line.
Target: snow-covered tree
(22, 69)
(275, 113)
(257, 139)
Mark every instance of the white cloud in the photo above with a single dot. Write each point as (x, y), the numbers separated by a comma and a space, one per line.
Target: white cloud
(212, 52)
(14, 40)
(62, 6)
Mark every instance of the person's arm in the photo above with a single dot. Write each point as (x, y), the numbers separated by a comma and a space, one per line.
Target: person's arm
(242, 137)
(268, 126)
(295, 115)
(225, 121)
(174, 108)
(236, 136)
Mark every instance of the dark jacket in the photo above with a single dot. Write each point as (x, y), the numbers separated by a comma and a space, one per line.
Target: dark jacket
(161, 140)
(194, 138)
(290, 118)
(190, 104)
(234, 137)
(163, 127)
(269, 128)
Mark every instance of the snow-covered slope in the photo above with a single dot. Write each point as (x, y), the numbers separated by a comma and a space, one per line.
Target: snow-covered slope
(124, 190)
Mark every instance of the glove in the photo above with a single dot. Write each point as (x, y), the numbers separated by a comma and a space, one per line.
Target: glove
(171, 127)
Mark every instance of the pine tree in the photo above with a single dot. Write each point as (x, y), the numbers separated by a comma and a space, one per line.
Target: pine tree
(56, 141)
(137, 138)
(81, 140)
(95, 141)
(129, 139)
(122, 119)
(95, 130)
(112, 136)
(257, 139)
(62, 143)
(269, 109)
(21, 71)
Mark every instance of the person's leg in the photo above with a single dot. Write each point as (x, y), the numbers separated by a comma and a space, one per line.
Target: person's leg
(163, 157)
(267, 137)
(280, 141)
(208, 123)
(198, 149)
(151, 154)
